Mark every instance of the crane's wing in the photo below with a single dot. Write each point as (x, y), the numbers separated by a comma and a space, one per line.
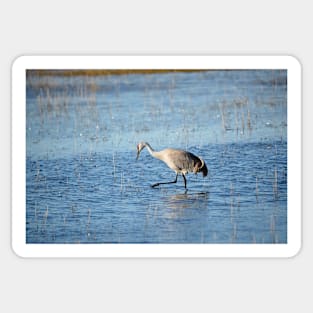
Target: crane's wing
(184, 161)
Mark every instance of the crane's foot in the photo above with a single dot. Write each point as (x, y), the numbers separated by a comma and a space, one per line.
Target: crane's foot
(157, 184)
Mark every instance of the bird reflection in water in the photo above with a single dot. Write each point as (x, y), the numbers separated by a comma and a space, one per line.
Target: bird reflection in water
(182, 202)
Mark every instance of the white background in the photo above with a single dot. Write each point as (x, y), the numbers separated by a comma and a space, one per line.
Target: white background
(159, 27)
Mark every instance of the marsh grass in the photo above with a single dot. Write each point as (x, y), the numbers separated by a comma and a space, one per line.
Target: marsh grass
(236, 116)
(256, 189)
(114, 166)
(234, 233)
(231, 197)
(223, 115)
(275, 184)
(274, 236)
(122, 184)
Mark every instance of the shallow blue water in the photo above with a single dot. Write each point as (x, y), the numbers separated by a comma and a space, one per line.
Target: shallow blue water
(85, 186)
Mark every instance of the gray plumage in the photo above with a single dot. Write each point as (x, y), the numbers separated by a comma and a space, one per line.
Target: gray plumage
(180, 161)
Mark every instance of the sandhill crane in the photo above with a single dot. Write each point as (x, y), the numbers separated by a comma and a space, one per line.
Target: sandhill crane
(180, 161)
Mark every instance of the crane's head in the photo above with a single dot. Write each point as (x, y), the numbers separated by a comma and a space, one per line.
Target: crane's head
(140, 146)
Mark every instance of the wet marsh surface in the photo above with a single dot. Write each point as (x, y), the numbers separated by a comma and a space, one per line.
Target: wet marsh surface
(84, 185)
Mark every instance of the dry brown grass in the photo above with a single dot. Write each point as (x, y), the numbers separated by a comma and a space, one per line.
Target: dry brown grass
(103, 72)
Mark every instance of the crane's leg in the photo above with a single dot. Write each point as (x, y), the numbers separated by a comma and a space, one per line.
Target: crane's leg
(185, 180)
(171, 182)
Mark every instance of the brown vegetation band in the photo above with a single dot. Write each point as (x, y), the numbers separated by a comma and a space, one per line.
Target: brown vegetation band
(92, 72)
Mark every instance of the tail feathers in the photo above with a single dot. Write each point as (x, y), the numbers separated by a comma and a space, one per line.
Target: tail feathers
(201, 167)
(204, 170)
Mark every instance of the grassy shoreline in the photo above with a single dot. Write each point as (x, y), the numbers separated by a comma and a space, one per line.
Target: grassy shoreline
(103, 72)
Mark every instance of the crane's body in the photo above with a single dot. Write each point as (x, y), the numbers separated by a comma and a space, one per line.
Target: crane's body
(180, 161)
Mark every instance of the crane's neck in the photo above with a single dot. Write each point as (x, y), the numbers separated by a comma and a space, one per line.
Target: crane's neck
(155, 154)
(150, 149)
